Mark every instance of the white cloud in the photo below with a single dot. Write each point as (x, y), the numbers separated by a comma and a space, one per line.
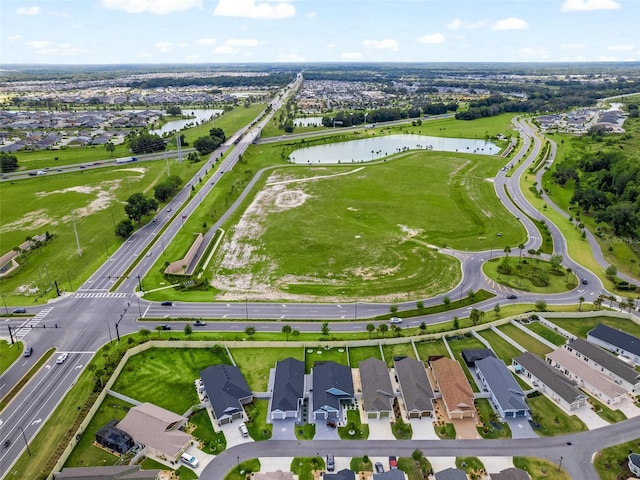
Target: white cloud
(351, 55)
(621, 48)
(589, 5)
(158, 7)
(457, 24)
(206, 41)
(386, 44)
(431, 39)
(39, 44)
(28, 10)
(224, 50)
(182, 44)
(163, 46)
(191, 58)
(62, 49)
(14, 38)
(269, 9)
(511, 23)
(454, 24)
(311, 15)
(241, 42)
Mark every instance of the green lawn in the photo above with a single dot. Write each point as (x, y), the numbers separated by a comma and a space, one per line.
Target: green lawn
(581, 326)
(524, 340)
(358, 354)
(361, 464)
(608, 462)
(541, 469)
(256, 367)
(446, 431)
(431, 348)
(257, 424)
(401, 430)
(525, 271)
(503, 349)
(9, 353)
(472, 465)
(553, 419)
(488, 418)
(320, 354)
(465, 343)
(165, 376)
(230, 122)
(306, 431)
(212, 442)
(397, 350)
(611, 416)
(360, 430)
(415, 469)
(241, 471)
(546, 333)
(304, 467)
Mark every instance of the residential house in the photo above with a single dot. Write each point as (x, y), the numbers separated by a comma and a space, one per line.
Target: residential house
(506, 395)
(332, 387)
(288, 389)
(114, 439)
(159, 430)
(616, 341)
(457, 394)
(621, 373)
(393, 474)
(511, 474)
(597, 383)
(377, 391)
(114, 472)
(341, 475)
(550, 381)
(471, 356)
(634, 464)
(417, 394)
(451, 474)
(227, 390)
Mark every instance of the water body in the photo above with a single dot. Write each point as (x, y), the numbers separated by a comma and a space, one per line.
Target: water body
(368, 149)
(199, 116)
(308, 122)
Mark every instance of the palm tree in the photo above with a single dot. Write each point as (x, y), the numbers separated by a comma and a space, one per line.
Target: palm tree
(507, 251)
(580, 300)
(370, 328)
(286, 329)
(521, 247)
(382, 328)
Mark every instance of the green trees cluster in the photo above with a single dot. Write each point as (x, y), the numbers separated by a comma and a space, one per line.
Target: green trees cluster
(138, 206)
(146, 143)
(174, 110)
(8, 163)
(166, 190)
(206, 145)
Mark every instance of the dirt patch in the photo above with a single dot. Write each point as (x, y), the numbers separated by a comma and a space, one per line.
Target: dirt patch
(105, 195)
(31, 221)
(411, 232)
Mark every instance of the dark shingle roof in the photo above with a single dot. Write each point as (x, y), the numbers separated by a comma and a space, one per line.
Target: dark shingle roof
(377, 391)
(288, 385)
(550, 376)
(616, 337)
(394, 474)
(416, 389)
(451, 474)
(225, 386)
(511, 474)
(471, 356)
(341, 475)
(605, 359)
(502, 384)
(331, 383)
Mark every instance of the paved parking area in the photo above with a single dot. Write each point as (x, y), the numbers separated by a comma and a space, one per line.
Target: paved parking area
(380, 429)
(325, 433)
(496, 464)
(520, 428)
(284, 429)
(233, 435)
(423, 429)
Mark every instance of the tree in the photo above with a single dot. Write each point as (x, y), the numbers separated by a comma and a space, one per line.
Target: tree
(138, 205)
(417, 455)
(471, 295)
(325, 329)
(396, 329)
(144, 333)
(216, 132)
(568, 273)
(250, 331)
(382, 328)
(521, 247)
(496, 310)
(295, 333)
(393, 309)
(423, 326)
(8, 163)
(206, 145)
(147, 143)
(446, 301)
(286, 329)
(598, 302)
(420, 305)
(556, 261)
(188, 329)
(174, 110)
(370, 328)
(474, 315)
(611, 271)
(124, 229)
(110, 147)
(580, 301)
(507, 251)
(540, 305)
(456, 323)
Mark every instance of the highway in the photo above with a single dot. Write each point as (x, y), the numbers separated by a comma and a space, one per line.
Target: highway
(96, 313)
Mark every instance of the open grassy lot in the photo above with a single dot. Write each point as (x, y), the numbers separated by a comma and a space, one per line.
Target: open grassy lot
(255, 367)
(304, 467)
(85, 453)
(611, 462)
(258, 427)
(464, 343)
(540, 469)
(581, 326)
(36, 205)
(546, 333)
(242, 470)
(530, 275)
(431, 348)
(523, 339)
(553, 420)
(9, 353)
(230, 122)
(398, 350)
(165, 376)
(504, 350)
(320, 354)
(358, 354)
(68, 156)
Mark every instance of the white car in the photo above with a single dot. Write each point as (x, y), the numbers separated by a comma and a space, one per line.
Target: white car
(62, 357)
(395, 320)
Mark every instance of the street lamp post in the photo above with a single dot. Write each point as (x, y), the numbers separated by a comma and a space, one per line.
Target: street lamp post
(560, 464)
(246, 308)
(355, 311)
(4, 300)
(25, 440)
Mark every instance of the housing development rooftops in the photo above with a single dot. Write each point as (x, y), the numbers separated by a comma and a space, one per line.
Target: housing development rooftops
(225, 386)
(453, 384)
(502, 383)
(377, 391)
(416, 389)
(605, 359)
(331, 383)
(616, 337)
(288, 385)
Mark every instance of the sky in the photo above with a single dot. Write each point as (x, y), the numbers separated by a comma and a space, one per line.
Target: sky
(275, 31)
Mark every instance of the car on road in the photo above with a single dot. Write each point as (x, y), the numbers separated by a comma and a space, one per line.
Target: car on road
(585, 281)
(32, 174)
(199, 323)
(169, 209)
(167, 303)
(331, 463)
(511, 296)
(163, 327)
(379, 467)
(393, 463)
(20, 310)
(62, 357)
(184, 215)
(395, 320)
(28, 351)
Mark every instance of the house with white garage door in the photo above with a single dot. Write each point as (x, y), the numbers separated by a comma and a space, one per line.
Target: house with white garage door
(417, 394)
(506, 395)
(616, 341)
(227, 390)
(377, 392)
(332, 388)
(288, 389)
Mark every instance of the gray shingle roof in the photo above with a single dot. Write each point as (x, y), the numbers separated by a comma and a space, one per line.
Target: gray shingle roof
(377, 391)
(605, 359)
(502, 384)
(331, 383)
(225, 386)
(551, 377)
(288, 385)
(511, 474)
(451, 474)
(617, 338)
(341, 475)
(394, 474)
(416, 389)
(472, 355)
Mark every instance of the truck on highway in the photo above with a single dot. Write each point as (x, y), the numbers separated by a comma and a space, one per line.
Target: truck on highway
(127, 160)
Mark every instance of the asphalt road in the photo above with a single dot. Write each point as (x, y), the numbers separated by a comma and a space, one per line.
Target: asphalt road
(94, 315)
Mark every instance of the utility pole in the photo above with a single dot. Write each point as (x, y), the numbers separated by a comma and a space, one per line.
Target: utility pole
(166, 158)
(25, 439)
(140, 283)
(4, 300)
(179, 143)
(75, 230)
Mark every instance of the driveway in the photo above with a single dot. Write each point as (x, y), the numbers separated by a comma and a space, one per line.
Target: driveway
(627, 407)
(441, 463)
(496, 464)
(423, 429)
(273, 464)
(380, 429)
(203, 458)
(325, 433)
(233, 435)
(284, 429)
(590, 418)
(520, 428)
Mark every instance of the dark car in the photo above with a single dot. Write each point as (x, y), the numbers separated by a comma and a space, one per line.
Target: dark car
(167, 303)
(20, 310)
(331, 423)
(379, 467)
(511, 296)
(28, 351)
(393, 463)
(164, 327)
(199, 323)
(32, 174)
(584, 281)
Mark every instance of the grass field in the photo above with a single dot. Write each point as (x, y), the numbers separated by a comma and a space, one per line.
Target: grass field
(212, 442)
(257, 425)
(230, 122)
(504, 350)
(609, 462)
(398, 350)
(553, 420)
(524, 340)
(165, 376)
(320, 354)
(581, 326)
(304, 467)
(540, 469)
(431, 348)
(358, 354)
(9, 353)
(546, 333)
(242, 470)
(457, 345)
(524, 272)
(256, 367)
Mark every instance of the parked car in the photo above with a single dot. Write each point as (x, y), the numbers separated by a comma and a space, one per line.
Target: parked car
(62, 357)
(393, 463)
(395, 320)
(164, 327)
(331, 423)
(511, 296)
(20, 310)
(244, 431)
(28, 351)
(199, 323)
(167, 303)
(331, 464)
(379, 467)
(189, 460)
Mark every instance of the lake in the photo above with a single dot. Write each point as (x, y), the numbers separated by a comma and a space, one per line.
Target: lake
(308, 122)
(369, 149)
(199, 116)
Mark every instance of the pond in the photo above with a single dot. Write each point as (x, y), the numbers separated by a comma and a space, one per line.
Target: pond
(198, 116)
(308, 122)
(369, 149)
